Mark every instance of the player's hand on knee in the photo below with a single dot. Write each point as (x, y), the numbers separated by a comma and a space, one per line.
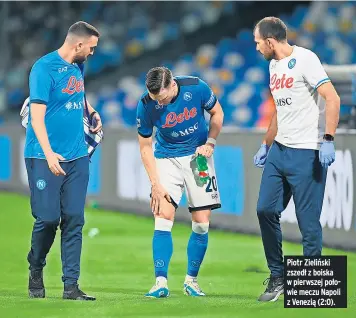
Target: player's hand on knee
(327, 153)
(162, 207)
(158, 194)
(53, 163)
(261, 156)
(206, 150)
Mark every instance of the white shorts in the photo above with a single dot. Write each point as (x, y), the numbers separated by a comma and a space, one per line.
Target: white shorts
(180, 173)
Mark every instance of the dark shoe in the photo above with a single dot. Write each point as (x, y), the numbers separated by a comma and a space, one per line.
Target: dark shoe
(35, 284)
(274, 288)
(74, 293)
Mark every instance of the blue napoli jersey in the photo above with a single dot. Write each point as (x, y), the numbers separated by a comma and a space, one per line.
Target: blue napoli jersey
(180, 125)
(59, 85)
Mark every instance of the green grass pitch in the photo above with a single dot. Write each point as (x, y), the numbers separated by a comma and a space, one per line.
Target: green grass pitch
(117, 269)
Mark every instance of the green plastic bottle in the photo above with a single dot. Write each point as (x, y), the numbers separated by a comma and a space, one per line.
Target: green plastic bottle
(202, 165)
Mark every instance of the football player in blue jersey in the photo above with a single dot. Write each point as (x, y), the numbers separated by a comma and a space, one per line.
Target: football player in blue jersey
(176, 106)
(56, 157)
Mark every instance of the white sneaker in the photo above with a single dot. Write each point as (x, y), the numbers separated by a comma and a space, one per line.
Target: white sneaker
(191, 288)
(159, 290)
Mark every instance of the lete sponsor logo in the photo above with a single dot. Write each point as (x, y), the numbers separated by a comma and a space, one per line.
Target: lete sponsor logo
(173, 118)
(337, 209)
(73, 86)
(278, 83)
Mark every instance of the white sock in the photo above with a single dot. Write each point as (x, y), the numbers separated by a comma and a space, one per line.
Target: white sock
(189, 278)
(161, 280)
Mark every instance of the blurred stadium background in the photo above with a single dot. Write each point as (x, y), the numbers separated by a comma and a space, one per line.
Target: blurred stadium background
(212, 40)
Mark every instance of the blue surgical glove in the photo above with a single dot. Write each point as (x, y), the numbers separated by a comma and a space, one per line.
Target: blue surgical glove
(327, 153)
(260, 157)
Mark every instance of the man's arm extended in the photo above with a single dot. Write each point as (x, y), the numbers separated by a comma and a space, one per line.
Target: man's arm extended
(215, 125)
(332, 108)
(38, 112)
(272, 130)
(90, 107)
(216, 121)
(148, 158)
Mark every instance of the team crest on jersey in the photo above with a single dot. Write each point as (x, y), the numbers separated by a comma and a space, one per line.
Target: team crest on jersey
(291, 63)
(187, 96)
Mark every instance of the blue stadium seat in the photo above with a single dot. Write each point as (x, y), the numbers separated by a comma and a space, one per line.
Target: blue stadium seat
(237, 59)
(234, 69)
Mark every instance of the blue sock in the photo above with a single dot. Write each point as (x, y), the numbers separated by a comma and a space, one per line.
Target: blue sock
(196, 250)
(162, 245)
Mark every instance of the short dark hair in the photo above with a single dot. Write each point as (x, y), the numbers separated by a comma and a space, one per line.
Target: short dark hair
(158, 78)
(82, 28)
(272, 27)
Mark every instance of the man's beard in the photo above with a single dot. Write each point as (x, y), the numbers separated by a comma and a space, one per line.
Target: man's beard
(79, 59)
(270, 56)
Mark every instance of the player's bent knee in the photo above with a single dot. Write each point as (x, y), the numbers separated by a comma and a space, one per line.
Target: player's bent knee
(312, 234)
(49, 224)
(265, 211)
(200, 228)
(162, 224)
(73, 220)
(201, 216)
